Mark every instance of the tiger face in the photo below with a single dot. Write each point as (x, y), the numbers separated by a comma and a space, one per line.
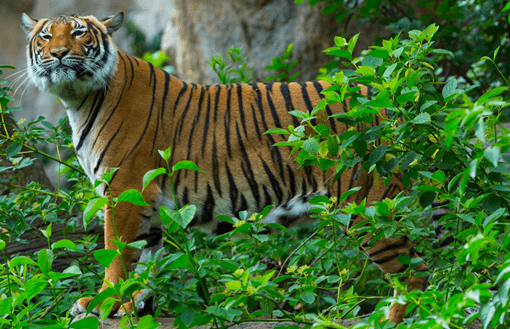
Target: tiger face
(71, 55)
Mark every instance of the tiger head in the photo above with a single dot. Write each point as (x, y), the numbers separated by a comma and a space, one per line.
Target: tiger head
(71, 55)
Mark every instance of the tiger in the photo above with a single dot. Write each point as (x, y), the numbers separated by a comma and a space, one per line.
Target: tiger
(122, 110)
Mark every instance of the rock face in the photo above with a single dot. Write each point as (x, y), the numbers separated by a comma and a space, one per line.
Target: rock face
(195, 30)
(200, 29)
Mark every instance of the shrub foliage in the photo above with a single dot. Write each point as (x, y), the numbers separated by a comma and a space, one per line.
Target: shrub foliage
(442, 143)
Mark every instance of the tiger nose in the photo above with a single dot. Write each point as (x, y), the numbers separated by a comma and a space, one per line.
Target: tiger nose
(59, 53)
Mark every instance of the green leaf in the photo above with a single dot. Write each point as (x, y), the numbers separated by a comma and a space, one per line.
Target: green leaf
(182, 217)
(228, 314)
(105, 256)
(492, 154)
(133, 197)
(377, 154)
(366, 70)
(311, 146)
(439, 176)
(332, 144)
(148, 322)
(442, 51)
(495, 215)
(21, 260)
(379, 102)
(360, 147)
(348, 193)
(93, 206)
(450, 88)
(379, 53)
(45, 259)
(422, 118)
(13, 149)
(406, 97)
(106, 308)
(352, 43)
(486, 313)
(137, 244)
(427, 198)
(85, 323)
(267, 306)
(491, 93)
(339, 42)
(56, 276)
(185, 164)
(308, 297)
(150, 175)
(338, 53)
(187, 215)
(34, 286)
(278, 131)
(187, 316)
(234, 285)
(389, 70)
(166, 153)
(64, 243)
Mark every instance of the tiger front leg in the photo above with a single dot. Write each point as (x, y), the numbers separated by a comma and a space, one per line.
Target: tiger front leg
(127, 223)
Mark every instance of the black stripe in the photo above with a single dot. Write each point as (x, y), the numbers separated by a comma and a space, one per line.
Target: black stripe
(153, 237)
(247, 170)
(234, 192)
(132, 71)
(284, 89)
(319, 89)
(206, 125)
(186, 109)
(152, 79)
(215, 167)
(195, 122)
(241, 110)
(94, 112)
(226, 122)
(162, 110)
(106, 149)
(256, 123)
(311, 178)
(208, 207)
(181, 92)
(274, 182)
(220, 87)
(391, 247)
(307, 101)
(292, 183)
(275, 152)
(114, 108)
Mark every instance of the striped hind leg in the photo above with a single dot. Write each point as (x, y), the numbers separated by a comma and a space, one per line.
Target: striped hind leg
(384, 254)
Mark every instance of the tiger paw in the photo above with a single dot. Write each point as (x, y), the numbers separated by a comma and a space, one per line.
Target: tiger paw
(143, 307)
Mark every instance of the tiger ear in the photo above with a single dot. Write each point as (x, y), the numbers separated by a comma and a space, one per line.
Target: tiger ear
(113, 23)
(27, 23)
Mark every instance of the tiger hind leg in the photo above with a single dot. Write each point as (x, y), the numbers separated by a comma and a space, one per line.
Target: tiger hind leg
(384, 254)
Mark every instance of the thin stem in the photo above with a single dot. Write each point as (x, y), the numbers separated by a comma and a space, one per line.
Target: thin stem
(295, 250)
(3, 122)
(46, 155)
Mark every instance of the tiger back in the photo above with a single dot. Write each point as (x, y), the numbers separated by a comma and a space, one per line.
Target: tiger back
(122, 110)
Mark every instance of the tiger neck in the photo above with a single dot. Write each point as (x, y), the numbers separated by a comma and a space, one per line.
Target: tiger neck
(75, 95)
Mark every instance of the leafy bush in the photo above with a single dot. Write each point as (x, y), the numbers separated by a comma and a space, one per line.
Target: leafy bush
(442, 144)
